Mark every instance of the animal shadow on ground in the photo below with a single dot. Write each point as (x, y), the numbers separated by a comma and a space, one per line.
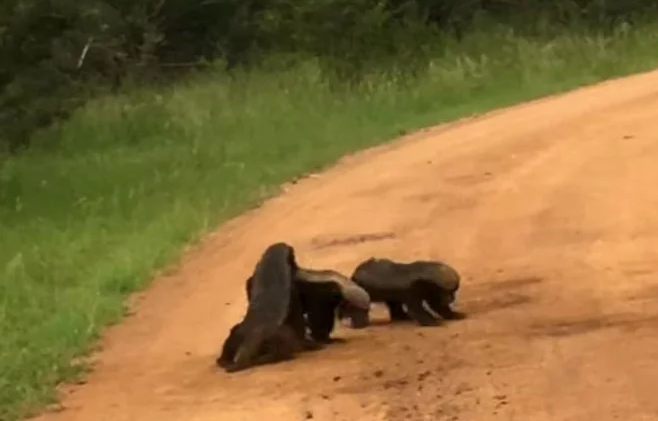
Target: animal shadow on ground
(572, 327)
(479, 299)
(385, 322)
(498, 295)
(337, 341)
(381, 318)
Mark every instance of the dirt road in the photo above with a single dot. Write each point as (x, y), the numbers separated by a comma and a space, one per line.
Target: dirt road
(548, 211)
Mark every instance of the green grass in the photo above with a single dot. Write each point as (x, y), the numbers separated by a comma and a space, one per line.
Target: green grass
(135, 177)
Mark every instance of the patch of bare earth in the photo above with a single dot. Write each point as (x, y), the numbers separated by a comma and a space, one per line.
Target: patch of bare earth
(548, 209)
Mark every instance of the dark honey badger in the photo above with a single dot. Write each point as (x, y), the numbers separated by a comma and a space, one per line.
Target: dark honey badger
(409, 284)
(273, 327)
(321, 292)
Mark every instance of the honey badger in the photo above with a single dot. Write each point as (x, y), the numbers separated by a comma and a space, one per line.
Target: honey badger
(273, 327)
(321, 292)
(409, 284)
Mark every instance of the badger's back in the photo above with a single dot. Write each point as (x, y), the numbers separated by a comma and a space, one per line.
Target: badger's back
(271, 288)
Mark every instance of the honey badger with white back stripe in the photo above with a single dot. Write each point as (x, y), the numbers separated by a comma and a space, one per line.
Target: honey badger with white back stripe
(321, 292)
(273, 327)
(409, 284)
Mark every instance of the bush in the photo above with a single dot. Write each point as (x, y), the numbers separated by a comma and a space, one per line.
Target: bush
(55, 55)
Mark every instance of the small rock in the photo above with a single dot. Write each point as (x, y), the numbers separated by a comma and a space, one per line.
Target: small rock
(308, 415)
(378, 373)
(58, 408)
(422, 376)
(336, 378)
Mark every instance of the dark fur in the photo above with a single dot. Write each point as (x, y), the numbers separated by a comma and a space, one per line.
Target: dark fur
(320, 302)
(320, 295)
(296, 319)
(281, 346)
(270, 329)
(409, 285)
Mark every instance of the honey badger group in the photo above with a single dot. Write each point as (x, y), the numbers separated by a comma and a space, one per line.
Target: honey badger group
(293, 309)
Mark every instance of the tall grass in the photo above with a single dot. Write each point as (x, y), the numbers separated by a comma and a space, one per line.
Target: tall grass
(132, 178)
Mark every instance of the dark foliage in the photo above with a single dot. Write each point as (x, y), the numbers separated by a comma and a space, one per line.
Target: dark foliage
(54, 54)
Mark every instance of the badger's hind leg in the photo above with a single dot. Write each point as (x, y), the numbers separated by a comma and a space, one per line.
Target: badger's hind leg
(298, 329)
(321, 322)
(396, 311)
(297, 324)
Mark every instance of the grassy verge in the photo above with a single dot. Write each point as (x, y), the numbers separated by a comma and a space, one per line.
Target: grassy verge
(134, 178)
